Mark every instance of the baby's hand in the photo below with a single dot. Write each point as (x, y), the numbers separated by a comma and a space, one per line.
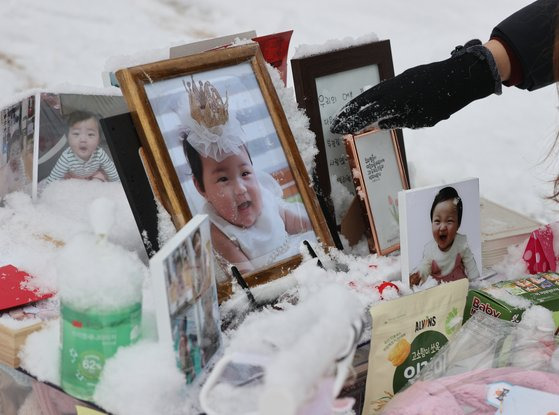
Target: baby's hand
(415, 278)
(98, 175)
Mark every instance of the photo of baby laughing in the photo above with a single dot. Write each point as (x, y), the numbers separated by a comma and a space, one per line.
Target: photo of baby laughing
(443, 233)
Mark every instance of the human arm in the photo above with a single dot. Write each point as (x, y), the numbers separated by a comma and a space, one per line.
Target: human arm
(423, 270)
(108, 166)
(60, 169)
(520, 48)
(230, 252)
(470, 266)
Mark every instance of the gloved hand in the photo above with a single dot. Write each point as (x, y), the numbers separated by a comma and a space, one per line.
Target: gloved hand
(424, 95)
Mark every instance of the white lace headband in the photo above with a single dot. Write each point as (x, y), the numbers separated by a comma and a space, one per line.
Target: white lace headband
(208, 127)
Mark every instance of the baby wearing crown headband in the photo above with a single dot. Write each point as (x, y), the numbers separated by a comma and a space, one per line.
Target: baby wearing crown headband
(250, 224)
(447, 257)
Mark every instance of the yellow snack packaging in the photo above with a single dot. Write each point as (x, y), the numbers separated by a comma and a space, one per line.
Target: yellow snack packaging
(406, 334)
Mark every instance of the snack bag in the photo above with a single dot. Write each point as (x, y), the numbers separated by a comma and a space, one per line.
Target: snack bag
(406, 334)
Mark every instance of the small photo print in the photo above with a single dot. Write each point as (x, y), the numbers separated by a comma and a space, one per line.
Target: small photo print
(16, 146)
(441, 234)
(537, 280)
(523, 283)
(186, 342)
(179, 275)
(185, 294)
(71, 141)
(551, 277)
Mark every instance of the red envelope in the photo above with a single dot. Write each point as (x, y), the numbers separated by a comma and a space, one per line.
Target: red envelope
(539, 255)
(11, 292)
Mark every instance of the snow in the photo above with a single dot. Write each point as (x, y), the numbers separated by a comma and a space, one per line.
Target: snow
(503, 140)
(96, 274)
(154, 386)
(303, 51)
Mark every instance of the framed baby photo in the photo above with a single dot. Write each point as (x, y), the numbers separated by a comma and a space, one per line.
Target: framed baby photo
(71, 143)
(326, 81)
(17, 130)
(185, 296)
(378, 172)
(218, 143)
(440, 232)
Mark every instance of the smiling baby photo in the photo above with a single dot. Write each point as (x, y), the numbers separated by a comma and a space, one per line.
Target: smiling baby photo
(231, 165)
(440, 232)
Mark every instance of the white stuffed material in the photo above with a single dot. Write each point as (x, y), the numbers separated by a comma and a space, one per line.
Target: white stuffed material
(535, 343)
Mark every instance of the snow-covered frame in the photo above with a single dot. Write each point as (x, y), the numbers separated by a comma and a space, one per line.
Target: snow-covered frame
(166, 182)
(345, 73)
(378, 174)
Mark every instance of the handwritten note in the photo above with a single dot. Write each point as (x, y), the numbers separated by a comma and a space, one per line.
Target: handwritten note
(334, 91)
(374, 167)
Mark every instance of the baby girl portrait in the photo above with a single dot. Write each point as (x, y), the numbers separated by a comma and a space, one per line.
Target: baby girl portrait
(443, 231)
(232, 167)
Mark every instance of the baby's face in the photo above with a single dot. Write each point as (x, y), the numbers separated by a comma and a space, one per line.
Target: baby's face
(232, 189)
(445, 224)
(83, 138)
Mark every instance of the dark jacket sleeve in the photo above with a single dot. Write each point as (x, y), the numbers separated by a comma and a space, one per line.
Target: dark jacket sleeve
(529, 34)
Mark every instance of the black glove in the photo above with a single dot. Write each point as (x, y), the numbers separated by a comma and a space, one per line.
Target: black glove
(424, 95)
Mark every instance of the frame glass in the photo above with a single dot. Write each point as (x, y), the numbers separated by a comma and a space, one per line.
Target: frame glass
(159, 97)
(378, 174)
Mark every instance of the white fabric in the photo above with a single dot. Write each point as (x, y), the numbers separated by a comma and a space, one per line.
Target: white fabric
(217, 142)
(446, 260)
(263, 243)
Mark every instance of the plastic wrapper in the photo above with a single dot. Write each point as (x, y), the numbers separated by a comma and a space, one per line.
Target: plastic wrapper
(491, 366)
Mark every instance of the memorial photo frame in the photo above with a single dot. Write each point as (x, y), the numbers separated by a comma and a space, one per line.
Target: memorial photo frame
(185, 297)
(324, 82)
(69, 133)
(158, 95)
(378, 173)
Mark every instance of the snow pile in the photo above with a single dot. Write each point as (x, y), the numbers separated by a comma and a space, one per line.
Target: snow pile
(44, 226)
(95, 273)
(288, 342)
(303, 51)
(298, 121)
(143, 379)
(40, 354)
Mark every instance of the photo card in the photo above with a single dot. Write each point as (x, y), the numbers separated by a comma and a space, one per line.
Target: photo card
(440, 232)
(185, 296)
(17, 132)
(378, 172)
(71, 143)
(218, 143)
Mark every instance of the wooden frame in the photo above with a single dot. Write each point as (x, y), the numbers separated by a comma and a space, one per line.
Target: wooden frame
(378, 174)
(140, 82)
(323, 84)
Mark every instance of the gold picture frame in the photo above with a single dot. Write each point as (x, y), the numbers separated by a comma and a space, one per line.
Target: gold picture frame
(378, 171)
(158, 98)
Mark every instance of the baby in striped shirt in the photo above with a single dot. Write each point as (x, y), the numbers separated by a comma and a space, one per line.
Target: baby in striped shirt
(84, 158)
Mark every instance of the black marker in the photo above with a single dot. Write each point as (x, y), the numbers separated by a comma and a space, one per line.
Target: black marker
(241, 281)
(313, 254)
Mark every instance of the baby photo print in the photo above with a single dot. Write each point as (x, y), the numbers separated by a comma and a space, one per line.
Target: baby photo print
(71, 141)
(440, 232)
